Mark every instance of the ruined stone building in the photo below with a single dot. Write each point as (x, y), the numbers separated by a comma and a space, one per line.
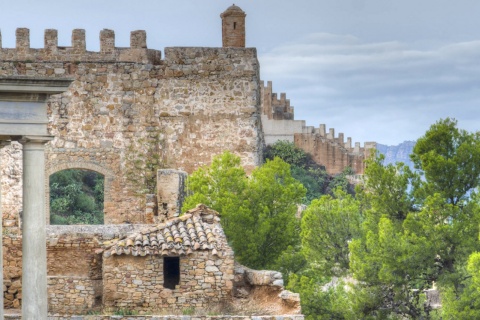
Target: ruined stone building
(123, 104)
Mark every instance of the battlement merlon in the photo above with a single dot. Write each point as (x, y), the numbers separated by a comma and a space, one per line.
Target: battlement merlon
(137, 52)
(340, 140)
(273, 107)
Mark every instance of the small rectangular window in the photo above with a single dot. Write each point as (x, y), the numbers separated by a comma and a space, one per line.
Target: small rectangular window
(171, 272)
(234, 25)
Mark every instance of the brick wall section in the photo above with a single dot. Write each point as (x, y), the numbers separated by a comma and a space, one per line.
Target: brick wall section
(198, 101)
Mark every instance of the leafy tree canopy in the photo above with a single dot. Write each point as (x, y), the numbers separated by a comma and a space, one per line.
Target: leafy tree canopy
(258, 212)
(327, 226)
(450, 160)
(76, 197)
(416, 231)
(308, 172)
(402, 232)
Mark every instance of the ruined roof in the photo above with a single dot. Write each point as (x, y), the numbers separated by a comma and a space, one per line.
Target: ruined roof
(233, 10)
(197, 229)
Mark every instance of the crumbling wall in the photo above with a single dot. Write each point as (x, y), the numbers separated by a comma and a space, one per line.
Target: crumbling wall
(12, 271)
(11, 169)
(75, 266)
(125, 104)
(262, 291)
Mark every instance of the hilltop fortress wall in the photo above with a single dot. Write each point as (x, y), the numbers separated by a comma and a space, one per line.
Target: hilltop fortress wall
(334, 153)
(130, 110)
(126, 104)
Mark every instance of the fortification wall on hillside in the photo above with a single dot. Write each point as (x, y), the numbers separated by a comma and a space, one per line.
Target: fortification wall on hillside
(334, 153)
(126, 104)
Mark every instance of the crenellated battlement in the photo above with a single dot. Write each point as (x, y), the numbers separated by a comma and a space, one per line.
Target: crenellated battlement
(77, 52)
(340, 140)
(328, 150)
(333, 151)
(274, 108)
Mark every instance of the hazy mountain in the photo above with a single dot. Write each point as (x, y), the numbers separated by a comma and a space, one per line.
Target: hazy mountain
(398, 153)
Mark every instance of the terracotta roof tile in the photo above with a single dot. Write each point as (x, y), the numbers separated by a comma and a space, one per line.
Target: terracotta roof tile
(197, 229)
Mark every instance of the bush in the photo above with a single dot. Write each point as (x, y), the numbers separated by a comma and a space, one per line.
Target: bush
(76, 197)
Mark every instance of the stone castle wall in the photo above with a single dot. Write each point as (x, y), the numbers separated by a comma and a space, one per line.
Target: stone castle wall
(334, 153)
(127, 103)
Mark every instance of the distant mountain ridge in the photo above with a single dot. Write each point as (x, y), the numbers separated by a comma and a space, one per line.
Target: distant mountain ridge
(398, 153)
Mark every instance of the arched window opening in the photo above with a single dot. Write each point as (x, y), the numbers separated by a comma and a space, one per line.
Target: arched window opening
(76, 197)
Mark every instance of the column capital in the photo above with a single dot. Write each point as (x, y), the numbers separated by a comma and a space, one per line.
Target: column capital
(35, 139)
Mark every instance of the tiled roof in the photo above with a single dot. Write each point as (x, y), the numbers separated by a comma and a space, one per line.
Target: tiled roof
(197, 229)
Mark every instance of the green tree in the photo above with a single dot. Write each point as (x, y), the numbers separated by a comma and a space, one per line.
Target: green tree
(450, 160)
(321, 301)
(272, 197)
(76, 197)
(313, 176)
(464, 302)
(221, 186)
(416, 231)
(288, 152)
(341, 181)
(258, 212)
(314, 180)
(328, 224)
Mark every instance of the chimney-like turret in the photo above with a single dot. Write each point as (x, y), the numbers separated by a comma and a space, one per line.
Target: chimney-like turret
(233, 27)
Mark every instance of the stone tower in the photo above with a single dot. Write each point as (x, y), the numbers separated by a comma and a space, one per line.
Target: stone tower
(233, 27)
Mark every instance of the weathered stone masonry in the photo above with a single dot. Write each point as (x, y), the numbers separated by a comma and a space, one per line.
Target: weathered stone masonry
(199, 101)
(134, 275)
(193, 104)
(123, 105)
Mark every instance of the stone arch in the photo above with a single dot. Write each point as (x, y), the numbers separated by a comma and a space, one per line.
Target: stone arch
(85, 165)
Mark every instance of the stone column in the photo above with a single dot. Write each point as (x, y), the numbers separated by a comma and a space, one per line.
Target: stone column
(3, 143)
(34, 247)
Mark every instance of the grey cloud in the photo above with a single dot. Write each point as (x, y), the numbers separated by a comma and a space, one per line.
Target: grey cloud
(408, 88)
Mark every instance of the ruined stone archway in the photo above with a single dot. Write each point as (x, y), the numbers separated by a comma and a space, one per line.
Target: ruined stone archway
(82, 165)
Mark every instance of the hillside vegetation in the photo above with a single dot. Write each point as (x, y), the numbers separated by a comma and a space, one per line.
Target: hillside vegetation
(372, 254)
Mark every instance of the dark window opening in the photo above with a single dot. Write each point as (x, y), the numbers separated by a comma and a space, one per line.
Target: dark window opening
(234, 25)
(76, 197)
(171, 272)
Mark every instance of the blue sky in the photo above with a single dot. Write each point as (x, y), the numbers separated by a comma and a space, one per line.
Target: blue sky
(375, 70)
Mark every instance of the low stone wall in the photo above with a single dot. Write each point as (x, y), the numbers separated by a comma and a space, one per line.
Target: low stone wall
(71, 295)
(168, 317)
